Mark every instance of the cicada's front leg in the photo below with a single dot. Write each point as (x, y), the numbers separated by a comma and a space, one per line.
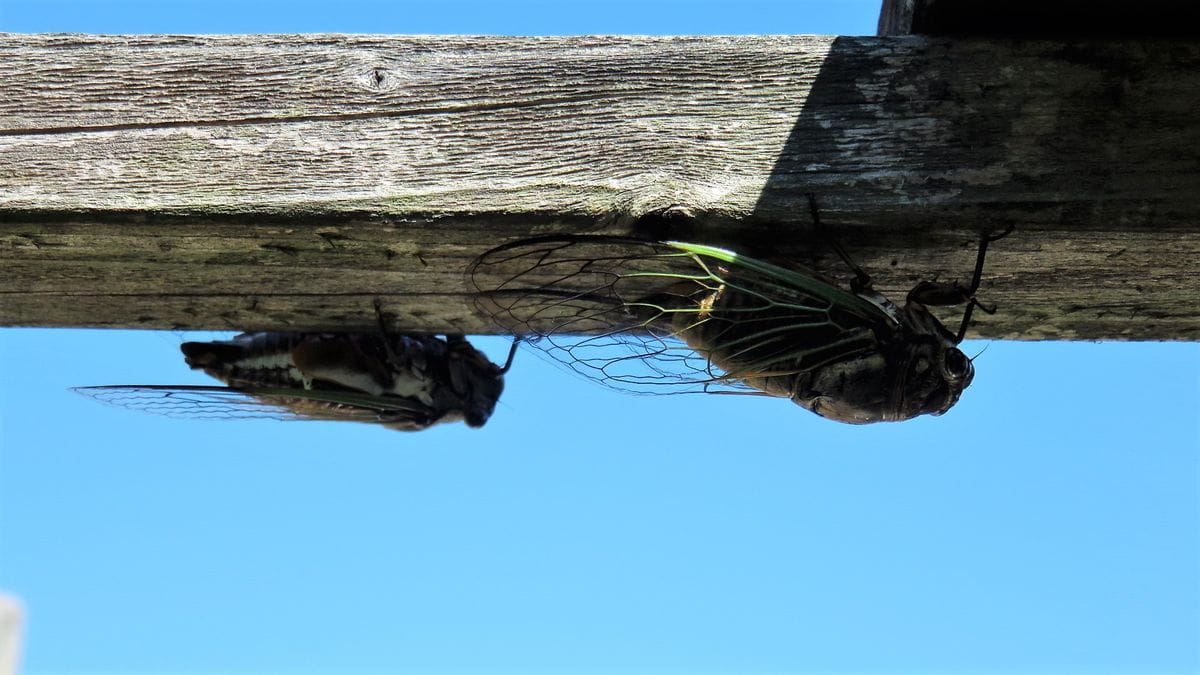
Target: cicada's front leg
(936, 294)
(861, 283)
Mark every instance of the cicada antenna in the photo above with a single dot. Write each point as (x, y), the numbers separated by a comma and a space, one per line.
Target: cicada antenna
(980, 353)
(862, 280)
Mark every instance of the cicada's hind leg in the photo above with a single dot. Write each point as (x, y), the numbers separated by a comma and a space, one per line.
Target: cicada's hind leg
(384, 335)
(947, 295)
(862, 281)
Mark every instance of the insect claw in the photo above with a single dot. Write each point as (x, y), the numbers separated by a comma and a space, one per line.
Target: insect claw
(996, 237)
(986, 309)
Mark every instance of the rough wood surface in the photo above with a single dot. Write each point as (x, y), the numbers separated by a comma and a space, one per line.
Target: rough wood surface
(256, 182)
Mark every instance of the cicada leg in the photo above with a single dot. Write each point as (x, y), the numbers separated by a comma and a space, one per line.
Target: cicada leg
(862, 281)
(383, 333)
(947, 295)
(512, 352)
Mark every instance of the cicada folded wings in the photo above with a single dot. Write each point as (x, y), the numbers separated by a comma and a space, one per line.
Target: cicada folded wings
(202, 402)
(668, 317)
(186, 402)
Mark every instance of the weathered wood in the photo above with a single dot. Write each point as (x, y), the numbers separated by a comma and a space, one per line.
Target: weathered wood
(1041, 18)
(896, 18)
(283, 182)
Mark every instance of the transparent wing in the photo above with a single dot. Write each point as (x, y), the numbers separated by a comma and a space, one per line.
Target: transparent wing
(224, 403)
(668, 317)
(639, 362)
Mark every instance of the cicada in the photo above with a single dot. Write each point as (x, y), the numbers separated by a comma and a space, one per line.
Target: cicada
(406, 382)
(670, 317)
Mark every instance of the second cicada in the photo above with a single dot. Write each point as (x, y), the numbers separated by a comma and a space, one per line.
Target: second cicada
(402, 381)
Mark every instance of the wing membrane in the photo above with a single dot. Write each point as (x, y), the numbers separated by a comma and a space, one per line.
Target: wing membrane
(225, 403)
(668, 317)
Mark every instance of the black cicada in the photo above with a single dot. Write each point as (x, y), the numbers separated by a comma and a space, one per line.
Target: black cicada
(402, 381)
(670, 317)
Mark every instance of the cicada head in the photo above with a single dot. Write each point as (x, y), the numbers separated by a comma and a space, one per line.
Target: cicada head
(914, 374)
(476, 380)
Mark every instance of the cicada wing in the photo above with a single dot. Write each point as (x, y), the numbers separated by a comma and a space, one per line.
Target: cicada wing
(561, 285)
(582, 301)
(225, 403)
(638, 361)
(667, 317)
(188, 402)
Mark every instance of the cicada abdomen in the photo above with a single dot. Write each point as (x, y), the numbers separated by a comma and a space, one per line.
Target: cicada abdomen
(674, 317)
(402, 381)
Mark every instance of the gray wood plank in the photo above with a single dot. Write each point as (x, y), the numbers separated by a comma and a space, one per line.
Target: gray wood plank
(258, 182)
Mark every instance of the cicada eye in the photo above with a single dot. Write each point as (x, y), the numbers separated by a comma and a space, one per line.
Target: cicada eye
(955, 365)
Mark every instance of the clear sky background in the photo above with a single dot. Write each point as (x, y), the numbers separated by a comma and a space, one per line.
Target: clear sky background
(1049, 523)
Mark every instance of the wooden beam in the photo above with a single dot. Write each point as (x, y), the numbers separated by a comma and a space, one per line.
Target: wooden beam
(1040, 18)
(283, 182)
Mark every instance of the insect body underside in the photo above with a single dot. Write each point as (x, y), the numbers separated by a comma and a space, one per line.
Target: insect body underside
(403, 381)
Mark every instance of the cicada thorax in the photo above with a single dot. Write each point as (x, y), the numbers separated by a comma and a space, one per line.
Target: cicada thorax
(830, 357)
(404, 381)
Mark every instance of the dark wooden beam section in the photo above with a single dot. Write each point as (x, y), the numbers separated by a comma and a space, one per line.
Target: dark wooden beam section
(284, 182)
(1042, 18)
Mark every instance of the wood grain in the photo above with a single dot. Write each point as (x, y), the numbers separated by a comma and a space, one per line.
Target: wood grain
(283, 182)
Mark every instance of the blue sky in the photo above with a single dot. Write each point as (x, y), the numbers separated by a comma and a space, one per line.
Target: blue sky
(1049, 523)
